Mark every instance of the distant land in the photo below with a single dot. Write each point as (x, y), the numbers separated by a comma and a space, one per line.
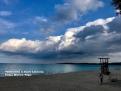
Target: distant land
(113, 63)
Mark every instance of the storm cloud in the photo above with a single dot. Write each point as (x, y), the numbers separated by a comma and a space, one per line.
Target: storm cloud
(99, 37)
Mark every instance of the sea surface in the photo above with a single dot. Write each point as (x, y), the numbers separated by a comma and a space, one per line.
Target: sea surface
(37, 69)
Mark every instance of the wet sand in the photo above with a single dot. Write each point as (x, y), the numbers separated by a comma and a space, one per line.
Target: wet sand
(78, 81)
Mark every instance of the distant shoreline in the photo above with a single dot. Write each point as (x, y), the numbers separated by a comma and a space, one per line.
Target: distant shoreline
(113, 63)
(116, 63)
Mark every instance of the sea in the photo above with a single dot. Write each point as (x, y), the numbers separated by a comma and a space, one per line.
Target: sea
(12, 69)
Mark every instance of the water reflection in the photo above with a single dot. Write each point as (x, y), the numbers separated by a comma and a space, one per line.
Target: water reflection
(50, 68)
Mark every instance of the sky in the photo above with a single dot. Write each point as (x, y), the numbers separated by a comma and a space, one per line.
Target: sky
(52, 31)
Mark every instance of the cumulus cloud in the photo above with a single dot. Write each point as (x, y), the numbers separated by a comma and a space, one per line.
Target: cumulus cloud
(72, 9)
(29, 46)
(69, 11)
(96, 38)
(86, 5)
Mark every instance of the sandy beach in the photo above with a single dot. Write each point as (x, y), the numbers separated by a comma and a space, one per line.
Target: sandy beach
(78, 81)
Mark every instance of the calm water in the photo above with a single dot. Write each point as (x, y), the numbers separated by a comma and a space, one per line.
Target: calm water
(51, 68)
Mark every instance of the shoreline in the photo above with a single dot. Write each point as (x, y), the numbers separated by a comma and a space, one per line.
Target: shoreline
(74, 81)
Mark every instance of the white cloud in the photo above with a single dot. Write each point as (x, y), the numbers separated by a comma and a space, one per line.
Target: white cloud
(66, 13)
(29, 46)
(72, 9)
(115, 54)
(14, 45)
(93, 39)
(100, 22)
(8, 2)
(39, 19)
(5, 13)
(84, 6)
(5, 24)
